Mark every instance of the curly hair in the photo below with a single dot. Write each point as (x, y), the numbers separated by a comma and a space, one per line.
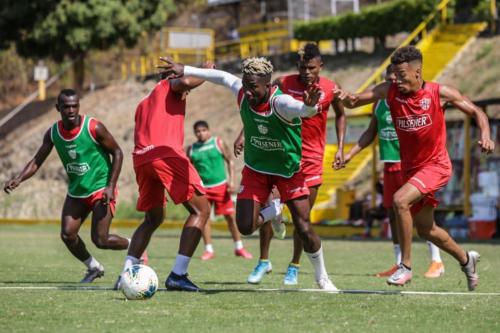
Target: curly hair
(406, 54)
(258, 66)
(308, 52)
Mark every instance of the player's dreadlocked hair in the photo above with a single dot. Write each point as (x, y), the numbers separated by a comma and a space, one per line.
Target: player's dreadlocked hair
(406, 54)
(308, 52)
(258, 66)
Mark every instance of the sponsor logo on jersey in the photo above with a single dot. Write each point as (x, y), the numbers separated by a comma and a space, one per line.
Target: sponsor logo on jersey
(207, 147)
(388, 134)
(266, 144)
(388, 119)
(413, 123)
(262, 129)
(77, 168)
(144, 150)
(425, 103)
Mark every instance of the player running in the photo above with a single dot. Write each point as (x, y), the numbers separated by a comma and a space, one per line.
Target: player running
(418, 115)
(309, 65)
(92, 160)
(160, 163)
(381, 124)
(208, 155)
(273, 149)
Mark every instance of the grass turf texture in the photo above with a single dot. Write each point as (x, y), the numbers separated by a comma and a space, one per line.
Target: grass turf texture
(34, 256)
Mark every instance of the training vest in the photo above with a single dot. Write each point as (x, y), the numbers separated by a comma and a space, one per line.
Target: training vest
(273, 145)
(87, 164)
(387, 137)
(208, 160)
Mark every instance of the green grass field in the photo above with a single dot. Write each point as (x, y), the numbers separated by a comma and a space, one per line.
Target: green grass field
(34, 256)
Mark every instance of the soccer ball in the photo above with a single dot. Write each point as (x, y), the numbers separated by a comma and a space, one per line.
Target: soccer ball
(139, 282)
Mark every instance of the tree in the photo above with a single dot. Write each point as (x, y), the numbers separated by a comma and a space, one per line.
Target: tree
(71, 28)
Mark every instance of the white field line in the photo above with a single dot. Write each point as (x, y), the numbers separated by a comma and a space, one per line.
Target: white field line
(271, 290)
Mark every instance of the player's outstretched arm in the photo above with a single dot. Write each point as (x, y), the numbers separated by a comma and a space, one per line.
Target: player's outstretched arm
(171, 69)
(107, 141)
(239, 144)
(365, 139)
(290, 108)
(340, 124)
(370, 95)
(186, 83)
(464, 104)
(32, 167)
(230, 167)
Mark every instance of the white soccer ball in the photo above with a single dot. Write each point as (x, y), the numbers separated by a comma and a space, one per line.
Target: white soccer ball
(139, 282)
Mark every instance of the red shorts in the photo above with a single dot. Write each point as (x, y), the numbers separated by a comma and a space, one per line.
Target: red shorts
(393, 181)
(257, 186)
(312, 170)
(91, 200)
(428, 180)
(221, 199)
(176, 175)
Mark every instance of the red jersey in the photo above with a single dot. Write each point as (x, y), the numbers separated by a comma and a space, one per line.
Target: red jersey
(420, 125)
(314, 128)
(159, 125)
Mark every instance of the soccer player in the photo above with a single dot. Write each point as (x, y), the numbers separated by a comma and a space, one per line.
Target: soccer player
(92, 160)
(381, 124)
(160, 164)
(208, 155)
(272, 153)
(309, 65)
(418, 115)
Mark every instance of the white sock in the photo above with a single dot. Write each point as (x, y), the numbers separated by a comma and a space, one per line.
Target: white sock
(129, 262)
(434, 251)
(397, 253)
(209, 248)
(318, 263)
(238, 245)
(129, 242)
(271, 211)
(181, 264)
(91, 263)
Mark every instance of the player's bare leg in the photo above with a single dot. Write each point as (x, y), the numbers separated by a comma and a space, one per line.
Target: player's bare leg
(207, 240)
(73, 214)
(395, 243)
(199, 212)
(248, 216)
(101, 221)
(300, 210)
(264, 265)
(239, 250)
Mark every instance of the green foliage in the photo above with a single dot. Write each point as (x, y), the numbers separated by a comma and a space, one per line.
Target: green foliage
(71, 28)
(373, 21)
(482, 12)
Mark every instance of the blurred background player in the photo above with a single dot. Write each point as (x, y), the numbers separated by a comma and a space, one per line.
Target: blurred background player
(160, 163)
(381, 123)
(418, 115)
(309, 65)
(92, 160)
(208, 155)
(273, 150)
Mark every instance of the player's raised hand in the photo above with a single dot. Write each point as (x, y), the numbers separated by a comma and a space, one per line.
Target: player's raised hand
(10, 185)
(208, 64)
(346, 97)
(169, 69)
(312, 95)
(487, 145)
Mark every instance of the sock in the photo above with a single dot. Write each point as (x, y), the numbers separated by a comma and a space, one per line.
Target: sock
(238, 245)
(91, 263)
(434, 251)
(130, 261)
(294, 265)
(408, 268)
(318, 263)
(397, 253)
(181, 264)
(129, 242)
(271, 211)
(467, 262)
(209, 248)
